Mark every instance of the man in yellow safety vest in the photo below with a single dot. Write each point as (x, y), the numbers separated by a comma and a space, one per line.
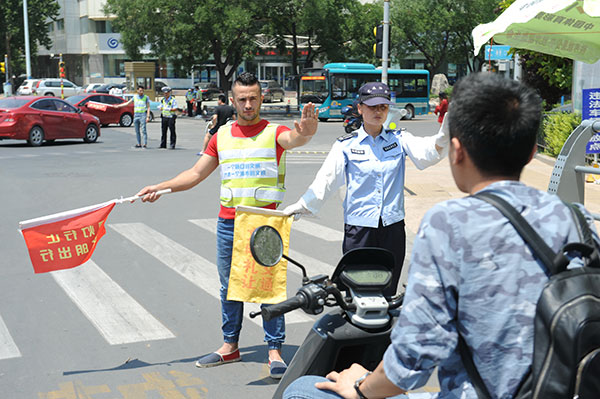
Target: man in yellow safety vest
(251, 152)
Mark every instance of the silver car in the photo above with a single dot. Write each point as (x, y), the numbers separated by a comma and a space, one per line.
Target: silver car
(51, 87)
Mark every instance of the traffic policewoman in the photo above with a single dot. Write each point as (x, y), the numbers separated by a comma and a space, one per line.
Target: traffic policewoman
(371, 163)
(168, 106)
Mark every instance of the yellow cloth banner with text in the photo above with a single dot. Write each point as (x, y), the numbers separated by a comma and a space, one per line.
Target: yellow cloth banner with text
(248, 280)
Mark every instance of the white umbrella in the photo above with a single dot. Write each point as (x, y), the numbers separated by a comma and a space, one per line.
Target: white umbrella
(565, 28)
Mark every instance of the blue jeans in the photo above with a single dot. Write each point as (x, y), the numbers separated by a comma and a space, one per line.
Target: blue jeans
(139, 123)
(232, 311)
(304, 388)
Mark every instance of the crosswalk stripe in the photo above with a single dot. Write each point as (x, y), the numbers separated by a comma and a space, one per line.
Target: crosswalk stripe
(313, 266)
(8, 348)
(117, 316)
(186, 263)
(318, 231)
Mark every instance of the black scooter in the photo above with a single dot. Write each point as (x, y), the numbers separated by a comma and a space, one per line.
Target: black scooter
(352, 119)
(358, 332)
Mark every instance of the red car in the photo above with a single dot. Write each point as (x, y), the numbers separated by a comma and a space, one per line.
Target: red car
(102, 106)
(36, 119)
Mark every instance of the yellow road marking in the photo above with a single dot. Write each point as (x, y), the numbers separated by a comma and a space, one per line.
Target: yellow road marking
(178, 385)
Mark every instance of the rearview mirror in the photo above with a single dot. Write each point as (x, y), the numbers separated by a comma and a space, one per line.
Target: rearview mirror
(266, 246)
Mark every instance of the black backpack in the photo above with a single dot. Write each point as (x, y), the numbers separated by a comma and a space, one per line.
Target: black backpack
(566, 354)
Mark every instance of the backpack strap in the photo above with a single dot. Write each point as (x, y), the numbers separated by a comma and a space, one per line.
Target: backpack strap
(589, 250)
(539, 247)
(474, 376)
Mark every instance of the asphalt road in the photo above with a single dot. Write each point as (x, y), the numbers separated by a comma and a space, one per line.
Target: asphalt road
(131, 322)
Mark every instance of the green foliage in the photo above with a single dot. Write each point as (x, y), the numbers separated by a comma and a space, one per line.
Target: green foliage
(448, 92)
(439, 29)
(556, 129)
(12, 34)
(337, 29)
(191, 32)
(358, 34)
(551, 76)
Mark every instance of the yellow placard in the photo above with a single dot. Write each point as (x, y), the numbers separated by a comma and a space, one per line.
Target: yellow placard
(248, 280)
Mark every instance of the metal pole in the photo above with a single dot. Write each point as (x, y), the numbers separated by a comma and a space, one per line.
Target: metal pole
(6, 82)
(62, 88)
(26, 28)
(386, 41)
(518, 68)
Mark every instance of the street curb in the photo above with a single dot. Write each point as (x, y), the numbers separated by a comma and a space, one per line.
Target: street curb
(548, 160)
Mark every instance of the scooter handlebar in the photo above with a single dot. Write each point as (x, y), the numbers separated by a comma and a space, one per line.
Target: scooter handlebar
(269, 312)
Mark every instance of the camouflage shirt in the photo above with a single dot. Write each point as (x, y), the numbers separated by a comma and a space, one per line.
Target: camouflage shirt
(470, 270)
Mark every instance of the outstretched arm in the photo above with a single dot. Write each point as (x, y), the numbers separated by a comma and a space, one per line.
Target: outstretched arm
(124, 104)
(329, 179)
(303, 131)
(183, 181)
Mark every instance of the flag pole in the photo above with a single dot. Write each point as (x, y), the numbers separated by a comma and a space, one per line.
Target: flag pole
(75, 212)
(136, 197)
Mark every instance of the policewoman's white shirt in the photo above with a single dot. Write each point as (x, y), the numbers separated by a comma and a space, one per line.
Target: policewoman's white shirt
(373, 170)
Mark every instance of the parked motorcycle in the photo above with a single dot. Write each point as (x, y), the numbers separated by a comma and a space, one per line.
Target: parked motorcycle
(358, 331)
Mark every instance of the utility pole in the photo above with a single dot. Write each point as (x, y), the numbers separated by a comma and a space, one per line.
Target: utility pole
(386, 41)
(26, 28)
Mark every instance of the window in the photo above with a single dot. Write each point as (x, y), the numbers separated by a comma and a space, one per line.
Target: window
(101, 27)
(45, 105)
(411, 86)
(60, 25)
(67, 84)
(338, 87)
(112, 100)
(50, 26)
(84, 25)
(63, 106)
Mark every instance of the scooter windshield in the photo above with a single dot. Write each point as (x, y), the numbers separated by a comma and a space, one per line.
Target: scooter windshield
(365, 269)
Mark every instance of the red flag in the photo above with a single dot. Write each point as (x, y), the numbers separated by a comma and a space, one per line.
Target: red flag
(67, 239)
(97, 106)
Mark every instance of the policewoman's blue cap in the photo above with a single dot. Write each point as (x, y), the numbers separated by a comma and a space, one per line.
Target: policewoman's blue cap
(374, 93)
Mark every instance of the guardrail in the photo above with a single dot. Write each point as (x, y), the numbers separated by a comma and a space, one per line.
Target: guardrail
(568, 176)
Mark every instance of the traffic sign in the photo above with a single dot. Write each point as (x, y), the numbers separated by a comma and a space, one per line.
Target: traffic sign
(497, 53)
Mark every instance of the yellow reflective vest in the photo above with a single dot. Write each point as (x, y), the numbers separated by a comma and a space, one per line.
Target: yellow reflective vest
(249, 172)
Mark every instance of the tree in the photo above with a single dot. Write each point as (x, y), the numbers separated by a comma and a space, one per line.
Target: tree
(360, 40)
(439, 29)
(423, 26)
(12, 30)
(327, 25)
(333, 27)
(551, 76)
(190, 32)
(467, 14)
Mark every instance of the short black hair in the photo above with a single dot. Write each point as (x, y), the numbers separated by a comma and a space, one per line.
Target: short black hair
(246, 79)
(496, 120)
(141, 87)
(223, 98)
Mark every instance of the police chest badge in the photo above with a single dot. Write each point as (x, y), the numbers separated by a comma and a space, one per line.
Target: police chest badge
(390, 147)
(355, 151)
